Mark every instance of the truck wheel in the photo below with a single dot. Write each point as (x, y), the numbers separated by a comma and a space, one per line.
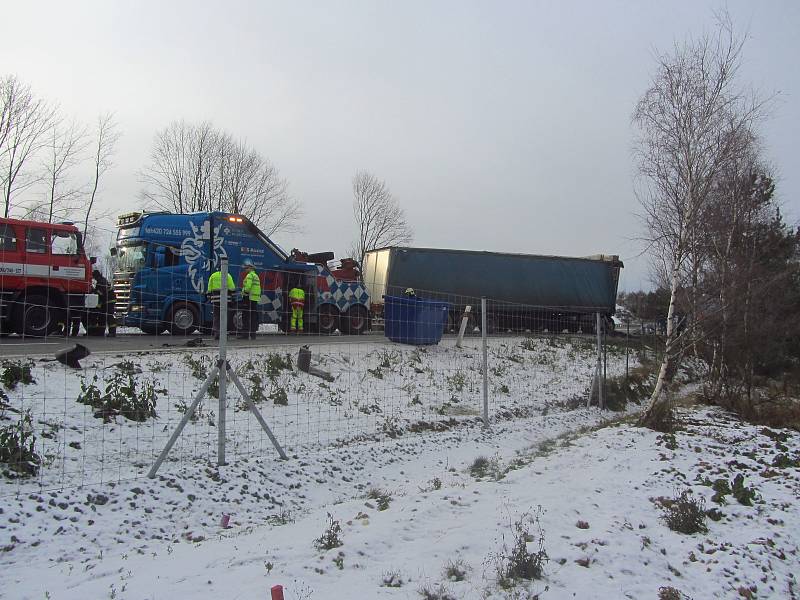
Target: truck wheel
(328, 319)
(356, 321)
(34, 317)
(183, 319)
(96, 331)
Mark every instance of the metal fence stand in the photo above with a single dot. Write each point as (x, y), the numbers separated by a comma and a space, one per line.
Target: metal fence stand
(485, 364)
(599, 372)
(600, 365)
(224, 371)
(222, 360)
(627, 349)
(463, 327)
(188, 415)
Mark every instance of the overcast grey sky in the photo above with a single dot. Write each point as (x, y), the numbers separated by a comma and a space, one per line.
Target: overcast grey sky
(499, 125)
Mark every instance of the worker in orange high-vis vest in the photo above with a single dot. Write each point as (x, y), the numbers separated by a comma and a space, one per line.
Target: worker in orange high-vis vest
(297, 300)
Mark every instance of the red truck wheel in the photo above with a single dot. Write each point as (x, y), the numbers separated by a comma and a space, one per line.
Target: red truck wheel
(36, 318)
(356, 321)
(328, 319)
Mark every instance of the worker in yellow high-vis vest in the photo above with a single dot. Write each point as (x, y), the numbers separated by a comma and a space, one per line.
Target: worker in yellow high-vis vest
(251, 295)
(213, 293)
(297, 300)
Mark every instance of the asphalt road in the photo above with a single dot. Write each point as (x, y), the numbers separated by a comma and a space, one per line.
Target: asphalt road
(13, 346)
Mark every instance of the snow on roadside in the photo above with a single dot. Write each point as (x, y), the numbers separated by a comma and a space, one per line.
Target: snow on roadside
(401, 420)
(602, 523)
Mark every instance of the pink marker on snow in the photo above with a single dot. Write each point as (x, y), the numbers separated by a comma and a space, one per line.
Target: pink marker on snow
(276, 592)
(225, 520)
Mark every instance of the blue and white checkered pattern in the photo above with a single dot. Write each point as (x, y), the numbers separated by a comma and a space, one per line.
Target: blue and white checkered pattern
(342, 293)
(272, 302)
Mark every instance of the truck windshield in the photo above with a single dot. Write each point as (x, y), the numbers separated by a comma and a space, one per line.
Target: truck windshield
(130, 258)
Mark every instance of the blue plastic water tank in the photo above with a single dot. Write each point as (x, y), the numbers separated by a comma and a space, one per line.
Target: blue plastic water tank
(414, 320)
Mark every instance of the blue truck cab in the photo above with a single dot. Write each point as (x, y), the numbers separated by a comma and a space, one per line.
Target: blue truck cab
(164, 260)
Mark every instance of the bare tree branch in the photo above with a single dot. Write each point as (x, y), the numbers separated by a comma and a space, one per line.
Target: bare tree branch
(24, 125)
(105, 143)
(379, 218)
(200, 168)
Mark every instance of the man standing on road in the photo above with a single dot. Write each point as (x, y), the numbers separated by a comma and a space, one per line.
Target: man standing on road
(297, 299)
(108, 299)
(251, 294)
(213, 293)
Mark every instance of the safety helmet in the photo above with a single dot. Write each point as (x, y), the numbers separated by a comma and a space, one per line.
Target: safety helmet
(410, 292)
(248, 264)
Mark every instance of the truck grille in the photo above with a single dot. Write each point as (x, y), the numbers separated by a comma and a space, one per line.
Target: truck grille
(122, 291)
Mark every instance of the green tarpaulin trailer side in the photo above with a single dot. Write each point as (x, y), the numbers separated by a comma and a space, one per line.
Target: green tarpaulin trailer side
(523, 289)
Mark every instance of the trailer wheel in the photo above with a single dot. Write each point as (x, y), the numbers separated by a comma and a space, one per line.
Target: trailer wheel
(183, 318)
(356, 321)
(328, 319)
(35, 317)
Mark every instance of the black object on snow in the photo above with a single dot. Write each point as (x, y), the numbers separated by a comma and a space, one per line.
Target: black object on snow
(71, 356)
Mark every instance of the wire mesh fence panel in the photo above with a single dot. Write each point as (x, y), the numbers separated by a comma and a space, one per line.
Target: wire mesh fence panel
(407, 362)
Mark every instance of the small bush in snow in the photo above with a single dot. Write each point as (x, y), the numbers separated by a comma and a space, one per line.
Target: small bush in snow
(669, 593)
(391, 426)
(256, 388)
(381, 497)
(392, 579)
(276, 363)
(518, 561)
(456, 570)
(685, 514)
(122, 397)
(439, 592)
(388, 358)
(482, 467)
(331, 537)
(433, 484)
(721, 489)
(17, 442)
(457, 381)
(16, 372)
(279, 396)
(284, 517)
(745, 495)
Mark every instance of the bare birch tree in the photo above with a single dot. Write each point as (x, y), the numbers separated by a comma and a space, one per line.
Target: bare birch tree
(201, 168)
(106, 137)
(690, 121)
(379, 218)
(67, 141)
(25, 122)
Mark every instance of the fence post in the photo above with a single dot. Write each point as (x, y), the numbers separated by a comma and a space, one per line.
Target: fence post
(223, 359)
(485, 365)
(627, 348)
(600, 394)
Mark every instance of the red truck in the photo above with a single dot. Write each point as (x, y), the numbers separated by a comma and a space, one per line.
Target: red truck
(45, 277)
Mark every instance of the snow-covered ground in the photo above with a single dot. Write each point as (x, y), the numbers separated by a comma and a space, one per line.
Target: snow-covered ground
(595, 485)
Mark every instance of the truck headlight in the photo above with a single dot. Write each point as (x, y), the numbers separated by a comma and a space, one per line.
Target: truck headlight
(136, 308)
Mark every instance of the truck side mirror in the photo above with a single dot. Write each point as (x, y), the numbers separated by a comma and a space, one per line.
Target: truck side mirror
(93, 260)
(112, 251)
